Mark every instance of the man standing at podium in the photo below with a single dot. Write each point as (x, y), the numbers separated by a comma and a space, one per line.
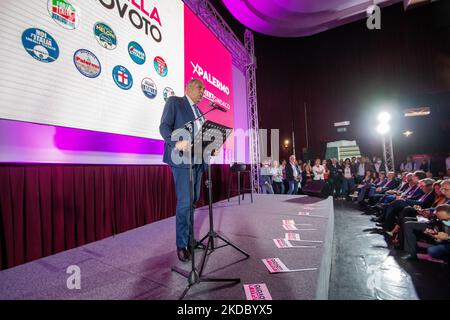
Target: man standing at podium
(177, 112)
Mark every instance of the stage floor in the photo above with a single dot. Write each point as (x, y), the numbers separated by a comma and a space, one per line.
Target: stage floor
(137, 264)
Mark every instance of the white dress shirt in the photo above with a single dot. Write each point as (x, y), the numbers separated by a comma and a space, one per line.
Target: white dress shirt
(318, 172)
(200, 121)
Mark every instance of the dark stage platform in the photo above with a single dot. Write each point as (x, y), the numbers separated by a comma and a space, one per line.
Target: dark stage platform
(137, 264)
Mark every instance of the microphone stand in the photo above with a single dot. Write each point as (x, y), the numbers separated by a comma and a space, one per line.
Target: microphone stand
(194, 277)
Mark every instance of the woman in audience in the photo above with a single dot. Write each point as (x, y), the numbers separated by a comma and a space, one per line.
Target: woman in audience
(318, 170)
(277, 178)
(307, 174)
(348, 181)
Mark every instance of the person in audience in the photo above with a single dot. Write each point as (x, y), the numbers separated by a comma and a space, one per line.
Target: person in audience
(307, 174)
(408, 166)
(425, 164)
(441, 250)
(277, 178)
(411, 213)
(375, 177)
(283, 168)
(390, 195)
(378, 165)
(335, 178)
(414, 229)
(384, 185)
(348, 181)
(326, 171)
(265, 178)
(293, 175)
(361, 168)
(318, 170)
(413, 192)
(393, 210)
(419, 229)
(368, 189)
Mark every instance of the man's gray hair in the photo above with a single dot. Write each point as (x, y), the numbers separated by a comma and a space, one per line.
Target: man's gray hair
(192, 82)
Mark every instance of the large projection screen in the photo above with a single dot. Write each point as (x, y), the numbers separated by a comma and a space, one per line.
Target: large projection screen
(106, 66)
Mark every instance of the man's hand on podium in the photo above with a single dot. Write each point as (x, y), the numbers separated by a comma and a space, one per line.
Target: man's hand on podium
(182, 145)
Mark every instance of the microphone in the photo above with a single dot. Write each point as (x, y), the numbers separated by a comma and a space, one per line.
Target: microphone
(216, 106)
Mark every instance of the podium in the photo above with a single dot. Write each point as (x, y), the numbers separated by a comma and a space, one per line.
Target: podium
(203, 144)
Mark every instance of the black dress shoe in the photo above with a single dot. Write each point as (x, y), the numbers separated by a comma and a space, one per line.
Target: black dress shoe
(183, 254)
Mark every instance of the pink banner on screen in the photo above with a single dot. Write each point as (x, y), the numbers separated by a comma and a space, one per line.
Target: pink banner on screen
(206, 58)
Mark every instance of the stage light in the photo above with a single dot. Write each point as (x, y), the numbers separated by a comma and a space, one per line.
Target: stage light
(407, 133)
(286, 143)
(384, 117)
(383, 128)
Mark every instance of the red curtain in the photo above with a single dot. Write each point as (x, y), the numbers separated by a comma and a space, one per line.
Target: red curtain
(45, 209)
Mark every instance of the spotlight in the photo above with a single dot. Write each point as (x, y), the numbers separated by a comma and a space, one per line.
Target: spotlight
(384, 117)
(286, 143)
(407, 133)
(383, 128)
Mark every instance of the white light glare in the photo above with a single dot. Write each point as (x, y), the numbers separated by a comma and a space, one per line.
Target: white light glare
(383, 128)
(384, 117)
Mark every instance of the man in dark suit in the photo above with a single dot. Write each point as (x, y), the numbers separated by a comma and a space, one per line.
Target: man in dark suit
(425, 201)
(293, 175)
(177, 112)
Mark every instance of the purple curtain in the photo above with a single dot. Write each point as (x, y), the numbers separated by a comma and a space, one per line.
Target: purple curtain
(45, 209)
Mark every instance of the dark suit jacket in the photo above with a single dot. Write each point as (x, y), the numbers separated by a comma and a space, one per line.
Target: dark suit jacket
(390, 185)
(290, 172)
(425, 202)
(177, 112)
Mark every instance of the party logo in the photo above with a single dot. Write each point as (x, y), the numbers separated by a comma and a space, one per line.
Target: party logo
(160, 66)
(63, 13)
(87, 63)
(40, 45)
(149, 88)
(122, 77)
(167, 93)
(105, 36)
(136, 52)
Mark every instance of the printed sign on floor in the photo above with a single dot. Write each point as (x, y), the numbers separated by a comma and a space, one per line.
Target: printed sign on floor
(283, 244)
(292, 222)
(275, 265)
(308, 214)
(289, 227)
(257, 292)
(292, 236)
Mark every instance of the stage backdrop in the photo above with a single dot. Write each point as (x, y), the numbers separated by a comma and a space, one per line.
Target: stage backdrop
(91, 78)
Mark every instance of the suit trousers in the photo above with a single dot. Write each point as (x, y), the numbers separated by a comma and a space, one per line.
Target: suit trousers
(181, 179)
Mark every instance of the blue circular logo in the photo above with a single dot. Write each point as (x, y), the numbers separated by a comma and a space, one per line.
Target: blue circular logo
(136, 52)
(122, 77)
(105, 36)
(149, 88)
(167, 93)
(87, 63)
(40, 45)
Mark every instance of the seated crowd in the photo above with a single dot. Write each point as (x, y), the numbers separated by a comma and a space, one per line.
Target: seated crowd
(410, 205)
